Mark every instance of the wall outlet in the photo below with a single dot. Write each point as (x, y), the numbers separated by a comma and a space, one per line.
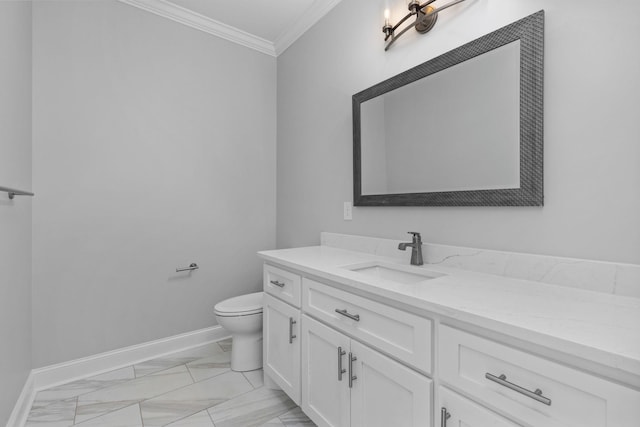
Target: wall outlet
(348, 211)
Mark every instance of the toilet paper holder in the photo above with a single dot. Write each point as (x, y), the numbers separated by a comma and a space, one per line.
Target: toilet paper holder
(192, 266)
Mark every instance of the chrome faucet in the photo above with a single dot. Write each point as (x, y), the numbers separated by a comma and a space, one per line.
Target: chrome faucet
(416, 251)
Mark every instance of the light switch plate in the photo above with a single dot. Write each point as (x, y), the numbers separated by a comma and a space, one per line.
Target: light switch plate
(348, 211)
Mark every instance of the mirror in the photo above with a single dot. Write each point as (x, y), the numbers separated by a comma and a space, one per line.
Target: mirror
(463, 129)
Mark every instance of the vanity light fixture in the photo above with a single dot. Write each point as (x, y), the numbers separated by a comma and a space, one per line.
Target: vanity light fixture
(426, 17)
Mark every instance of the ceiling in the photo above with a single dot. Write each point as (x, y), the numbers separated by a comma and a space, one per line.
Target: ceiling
(269, 26)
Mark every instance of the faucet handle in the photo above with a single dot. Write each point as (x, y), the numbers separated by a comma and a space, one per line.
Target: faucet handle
(416, 235)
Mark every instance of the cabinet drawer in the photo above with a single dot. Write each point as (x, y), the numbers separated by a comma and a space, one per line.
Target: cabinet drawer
(395, 332)
(282, 284)
(531, 389)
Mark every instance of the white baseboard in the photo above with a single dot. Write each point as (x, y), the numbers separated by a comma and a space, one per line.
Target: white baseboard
(53, 375)
(23, 405)
(61, 373)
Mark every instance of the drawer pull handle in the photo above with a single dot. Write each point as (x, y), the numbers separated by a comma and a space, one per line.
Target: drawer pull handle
(535, 395)
(291, 336)
(444, 416)
(344, 312)
(341, 370)
(279, 284)
(352, 377)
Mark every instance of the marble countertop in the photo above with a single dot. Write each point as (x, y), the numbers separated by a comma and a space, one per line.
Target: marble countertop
(597, 327)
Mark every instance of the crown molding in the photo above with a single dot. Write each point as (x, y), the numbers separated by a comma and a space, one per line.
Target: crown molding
(200, 22)
(316, 12)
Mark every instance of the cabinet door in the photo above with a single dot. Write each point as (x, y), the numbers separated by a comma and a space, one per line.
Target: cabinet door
(385, 393)
(325, 389)
(281, 351)
(465, 413)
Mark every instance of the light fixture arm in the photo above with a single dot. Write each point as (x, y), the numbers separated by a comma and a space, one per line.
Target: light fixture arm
(425, 15)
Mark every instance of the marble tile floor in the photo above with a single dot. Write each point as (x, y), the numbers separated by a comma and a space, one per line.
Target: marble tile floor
(194, 388)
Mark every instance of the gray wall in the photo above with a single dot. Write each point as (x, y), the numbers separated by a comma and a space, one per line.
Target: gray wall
(591, 129)
(15, 215)
(154, 147)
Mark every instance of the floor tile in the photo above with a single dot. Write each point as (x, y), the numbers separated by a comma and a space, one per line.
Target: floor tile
(216, 363)
(126, 417)
(256, 378)
(201, 419)
(273, 423)
(175, 359)
(85, 385)
(251, 409)
(112, 398)
(56, 414)
(296, 418)
(200, 391)
(194, 398)
(157, 365)
(225, 344)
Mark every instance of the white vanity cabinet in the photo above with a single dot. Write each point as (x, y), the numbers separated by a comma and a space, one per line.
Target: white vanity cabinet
(281, 329)
(350, 359)
(346, 383)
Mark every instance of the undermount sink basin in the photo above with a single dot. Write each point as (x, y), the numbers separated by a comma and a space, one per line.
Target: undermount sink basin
(395, 273)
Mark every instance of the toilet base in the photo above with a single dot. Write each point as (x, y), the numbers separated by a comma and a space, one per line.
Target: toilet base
(246, 352)
(246, 336)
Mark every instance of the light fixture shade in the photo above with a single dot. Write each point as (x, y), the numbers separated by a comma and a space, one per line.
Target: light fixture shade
(425, 19)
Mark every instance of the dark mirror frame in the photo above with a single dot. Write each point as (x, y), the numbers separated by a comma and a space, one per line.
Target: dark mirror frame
(530, 32)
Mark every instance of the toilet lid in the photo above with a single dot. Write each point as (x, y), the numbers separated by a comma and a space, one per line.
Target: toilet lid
(243, 304)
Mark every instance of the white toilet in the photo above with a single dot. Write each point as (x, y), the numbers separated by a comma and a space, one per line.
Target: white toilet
(242, 317)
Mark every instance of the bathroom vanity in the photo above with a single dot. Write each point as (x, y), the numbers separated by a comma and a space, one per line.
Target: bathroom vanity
(358, 339)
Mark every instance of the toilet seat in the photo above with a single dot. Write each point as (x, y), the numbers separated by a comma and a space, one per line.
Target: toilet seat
(243, 305)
